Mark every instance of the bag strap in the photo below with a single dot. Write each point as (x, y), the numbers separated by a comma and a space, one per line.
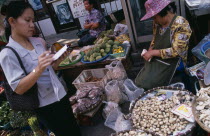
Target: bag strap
(18, 57)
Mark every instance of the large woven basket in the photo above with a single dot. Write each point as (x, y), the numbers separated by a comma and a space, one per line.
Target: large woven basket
(195, 114)
(167, 88)
(115, 134)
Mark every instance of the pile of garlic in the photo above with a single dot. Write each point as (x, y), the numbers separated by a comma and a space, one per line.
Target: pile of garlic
(133, 133)
(155, 116)
(203, 106)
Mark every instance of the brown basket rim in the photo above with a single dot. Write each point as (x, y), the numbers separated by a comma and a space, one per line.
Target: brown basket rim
(153, 89)
(195, 114)
(89, 70)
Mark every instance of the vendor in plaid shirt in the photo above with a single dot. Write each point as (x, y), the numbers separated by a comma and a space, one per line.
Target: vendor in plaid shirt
(94, 21)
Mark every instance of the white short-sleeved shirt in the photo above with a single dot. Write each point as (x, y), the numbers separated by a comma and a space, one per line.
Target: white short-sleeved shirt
(50, 88)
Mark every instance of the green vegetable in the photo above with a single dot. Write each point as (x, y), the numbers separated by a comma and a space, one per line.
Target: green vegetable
(115, 46)
(107, 50)
(104, 54)
(108, 45)
(111, 42)
(98, 57)
(102, 50)
(116, 42)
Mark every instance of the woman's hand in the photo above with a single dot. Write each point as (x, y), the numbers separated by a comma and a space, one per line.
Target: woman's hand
(45, 60)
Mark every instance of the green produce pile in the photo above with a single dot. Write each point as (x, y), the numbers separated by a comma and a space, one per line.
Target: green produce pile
(102, 47)
(17, 119)
(4, 112)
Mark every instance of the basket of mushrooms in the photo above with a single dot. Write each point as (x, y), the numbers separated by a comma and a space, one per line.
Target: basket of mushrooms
(201, 108)
(132, 132)
(155, 112)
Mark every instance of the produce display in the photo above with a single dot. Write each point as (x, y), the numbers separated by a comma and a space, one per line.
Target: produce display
(4, 112)
(103, 46)
(132, 133)
(203, 106)
(117, 49)
(86, 99)
(154, 114)
(71, 59)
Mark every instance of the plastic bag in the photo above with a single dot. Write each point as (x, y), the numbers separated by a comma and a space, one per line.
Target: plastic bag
(110, 106)
(113, 92)
(122, 124)
(131, 90)
(116, 71)
(112, 118)
(178, 84)
(120, 29)
(197, 50)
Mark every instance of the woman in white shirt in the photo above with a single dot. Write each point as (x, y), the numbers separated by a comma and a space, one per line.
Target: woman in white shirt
(54, 110)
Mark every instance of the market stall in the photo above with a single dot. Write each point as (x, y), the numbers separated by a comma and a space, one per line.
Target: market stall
(109, 46)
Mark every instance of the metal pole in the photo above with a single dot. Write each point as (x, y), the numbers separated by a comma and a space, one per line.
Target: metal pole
(110, 5)
(105, 7)
(116, 5)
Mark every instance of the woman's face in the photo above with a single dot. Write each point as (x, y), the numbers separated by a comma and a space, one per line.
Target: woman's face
(24, 24)
(158, 19)
(88, 6)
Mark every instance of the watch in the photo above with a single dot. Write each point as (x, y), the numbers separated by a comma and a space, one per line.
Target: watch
(33, 70)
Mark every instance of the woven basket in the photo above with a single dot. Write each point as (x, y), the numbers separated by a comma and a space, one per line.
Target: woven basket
(167, 88)
(115, 134)
(195, 114)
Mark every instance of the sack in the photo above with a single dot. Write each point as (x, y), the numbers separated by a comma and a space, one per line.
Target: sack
(83, 32)
(25, 102)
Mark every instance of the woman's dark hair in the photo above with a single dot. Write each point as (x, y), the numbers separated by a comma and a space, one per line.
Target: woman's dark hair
(3, 10)
(171, 7)
(92, 2)
(14, 9)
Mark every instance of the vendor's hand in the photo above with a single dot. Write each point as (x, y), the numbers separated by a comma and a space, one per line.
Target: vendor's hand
(45, 60)
(150, 48)
(148, 55)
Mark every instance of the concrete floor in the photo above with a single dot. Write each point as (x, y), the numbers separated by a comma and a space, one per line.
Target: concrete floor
(63, 38)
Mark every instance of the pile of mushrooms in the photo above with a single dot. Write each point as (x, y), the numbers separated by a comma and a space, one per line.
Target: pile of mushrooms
(133, 133)
(155, 116)
(203, 106)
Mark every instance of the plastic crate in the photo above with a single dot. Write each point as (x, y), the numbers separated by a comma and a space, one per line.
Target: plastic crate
(97, 73)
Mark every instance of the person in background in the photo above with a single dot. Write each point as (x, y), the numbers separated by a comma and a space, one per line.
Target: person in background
(54, 109)
(94, 21)
(171, 34)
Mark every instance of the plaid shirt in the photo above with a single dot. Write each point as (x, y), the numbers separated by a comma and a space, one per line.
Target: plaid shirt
(96, 16)
(179, 38)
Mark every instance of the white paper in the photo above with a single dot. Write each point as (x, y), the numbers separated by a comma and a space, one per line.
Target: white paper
(60, 52)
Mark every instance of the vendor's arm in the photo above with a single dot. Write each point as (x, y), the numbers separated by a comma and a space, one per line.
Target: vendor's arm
(153, 38)
(17, 79)
(180, 40)
(88, 26)
(98, 17)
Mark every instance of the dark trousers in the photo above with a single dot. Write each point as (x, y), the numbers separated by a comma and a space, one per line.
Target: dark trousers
(86, 40)
(59, 119)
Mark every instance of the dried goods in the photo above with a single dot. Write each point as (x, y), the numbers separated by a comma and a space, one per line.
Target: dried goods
(92, 79)
(155, 116)
(82, 93)
(203, 106)
(85, 99)
(133, 133)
